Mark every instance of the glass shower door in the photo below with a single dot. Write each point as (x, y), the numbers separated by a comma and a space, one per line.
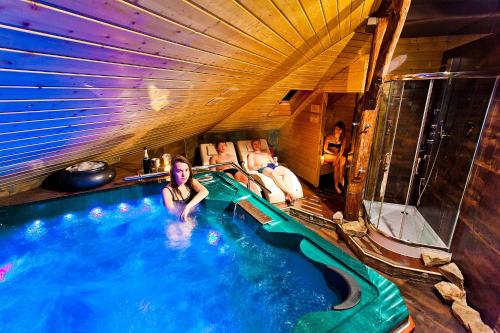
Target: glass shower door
(392, 164)
(440, 188)
(382, 149)
(425, 140)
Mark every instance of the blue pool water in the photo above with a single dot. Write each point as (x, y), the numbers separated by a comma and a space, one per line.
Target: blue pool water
(130, 267)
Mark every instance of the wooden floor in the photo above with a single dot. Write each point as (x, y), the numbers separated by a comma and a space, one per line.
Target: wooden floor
(428, 312)
(388, 255)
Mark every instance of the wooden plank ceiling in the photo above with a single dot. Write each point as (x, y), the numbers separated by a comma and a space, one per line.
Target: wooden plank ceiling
(103, 78)
(341, 68)
(425, 54)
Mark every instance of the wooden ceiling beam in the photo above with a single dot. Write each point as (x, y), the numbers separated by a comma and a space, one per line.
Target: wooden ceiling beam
(378, 36)
(395, 13)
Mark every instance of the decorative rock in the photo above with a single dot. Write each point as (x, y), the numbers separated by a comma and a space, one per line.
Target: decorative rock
(465, 314)
(469, 318)
(450, 292)
(435, 257)
(476, 327)
(452, 273)
(338, 217)
(354, 228)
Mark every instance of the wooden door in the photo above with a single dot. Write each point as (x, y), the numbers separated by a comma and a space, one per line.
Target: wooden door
(300, 141)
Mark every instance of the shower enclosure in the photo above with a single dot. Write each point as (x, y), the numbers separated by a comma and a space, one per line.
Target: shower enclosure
(426, 137)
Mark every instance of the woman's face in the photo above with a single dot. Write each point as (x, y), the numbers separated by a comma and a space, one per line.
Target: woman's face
(337, 131)
(181, 172)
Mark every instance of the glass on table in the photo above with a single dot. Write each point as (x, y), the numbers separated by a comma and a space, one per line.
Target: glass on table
(155, 164)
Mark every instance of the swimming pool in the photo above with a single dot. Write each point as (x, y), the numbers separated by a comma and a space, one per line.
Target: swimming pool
(115, 261)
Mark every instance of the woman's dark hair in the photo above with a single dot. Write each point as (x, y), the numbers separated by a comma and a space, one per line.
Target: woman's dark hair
(173, 182)
(341, 125)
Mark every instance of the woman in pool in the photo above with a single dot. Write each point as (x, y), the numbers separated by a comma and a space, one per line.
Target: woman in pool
(334, 147)
(184, 192)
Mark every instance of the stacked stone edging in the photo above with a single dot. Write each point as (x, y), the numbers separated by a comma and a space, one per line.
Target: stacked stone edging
(454, 291)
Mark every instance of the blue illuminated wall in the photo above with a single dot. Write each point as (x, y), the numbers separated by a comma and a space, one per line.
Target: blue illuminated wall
(99, 79)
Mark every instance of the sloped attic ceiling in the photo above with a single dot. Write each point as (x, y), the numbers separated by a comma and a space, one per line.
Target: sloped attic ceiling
(341, 68)
(103, 78)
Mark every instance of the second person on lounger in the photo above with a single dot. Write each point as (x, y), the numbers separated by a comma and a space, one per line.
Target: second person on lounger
(222, 157)
(263, 162)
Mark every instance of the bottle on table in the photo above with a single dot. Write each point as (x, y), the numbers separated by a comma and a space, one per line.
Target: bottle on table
(146, 162)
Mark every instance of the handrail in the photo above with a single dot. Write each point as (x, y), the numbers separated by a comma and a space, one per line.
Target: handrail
(146, 176)
(196, 168)
(441, 76)
(236, 166)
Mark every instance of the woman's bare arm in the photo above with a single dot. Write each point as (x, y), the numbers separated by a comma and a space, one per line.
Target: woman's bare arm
(202, 194)
(168, 200)
(342, 148)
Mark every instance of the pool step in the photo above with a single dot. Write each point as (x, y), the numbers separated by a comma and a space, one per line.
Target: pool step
(310, 217)
(312, 209)
(257, 214)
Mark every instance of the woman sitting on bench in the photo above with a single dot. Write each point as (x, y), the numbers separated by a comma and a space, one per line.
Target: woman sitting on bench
(334, 147)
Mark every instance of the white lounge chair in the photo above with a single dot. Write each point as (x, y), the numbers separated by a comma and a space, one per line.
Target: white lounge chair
(244, 147)
(207, 150)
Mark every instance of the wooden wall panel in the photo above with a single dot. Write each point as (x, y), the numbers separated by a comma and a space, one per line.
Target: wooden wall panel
(424, 54)
(100, 79)
(340, 107)
(300, 141)
(477, 234)
(53, 45)
(127, 31)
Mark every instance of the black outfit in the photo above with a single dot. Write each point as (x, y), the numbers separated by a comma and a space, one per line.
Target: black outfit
(232, 171)
(177, 197)
(333, 147)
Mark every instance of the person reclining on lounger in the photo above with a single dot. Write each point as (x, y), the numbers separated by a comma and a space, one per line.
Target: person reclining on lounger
(230, 170)
(263, 162)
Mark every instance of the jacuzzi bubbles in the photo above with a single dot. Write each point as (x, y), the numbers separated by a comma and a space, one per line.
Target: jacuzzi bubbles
(35, 230)
(96, 213)
(213, 237)
(123, 207)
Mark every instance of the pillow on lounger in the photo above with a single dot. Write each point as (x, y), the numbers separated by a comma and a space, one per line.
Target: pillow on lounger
(249, 147)
(211, 151)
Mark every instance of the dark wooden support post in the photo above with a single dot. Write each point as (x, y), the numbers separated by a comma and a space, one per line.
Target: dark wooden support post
(384, 43)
